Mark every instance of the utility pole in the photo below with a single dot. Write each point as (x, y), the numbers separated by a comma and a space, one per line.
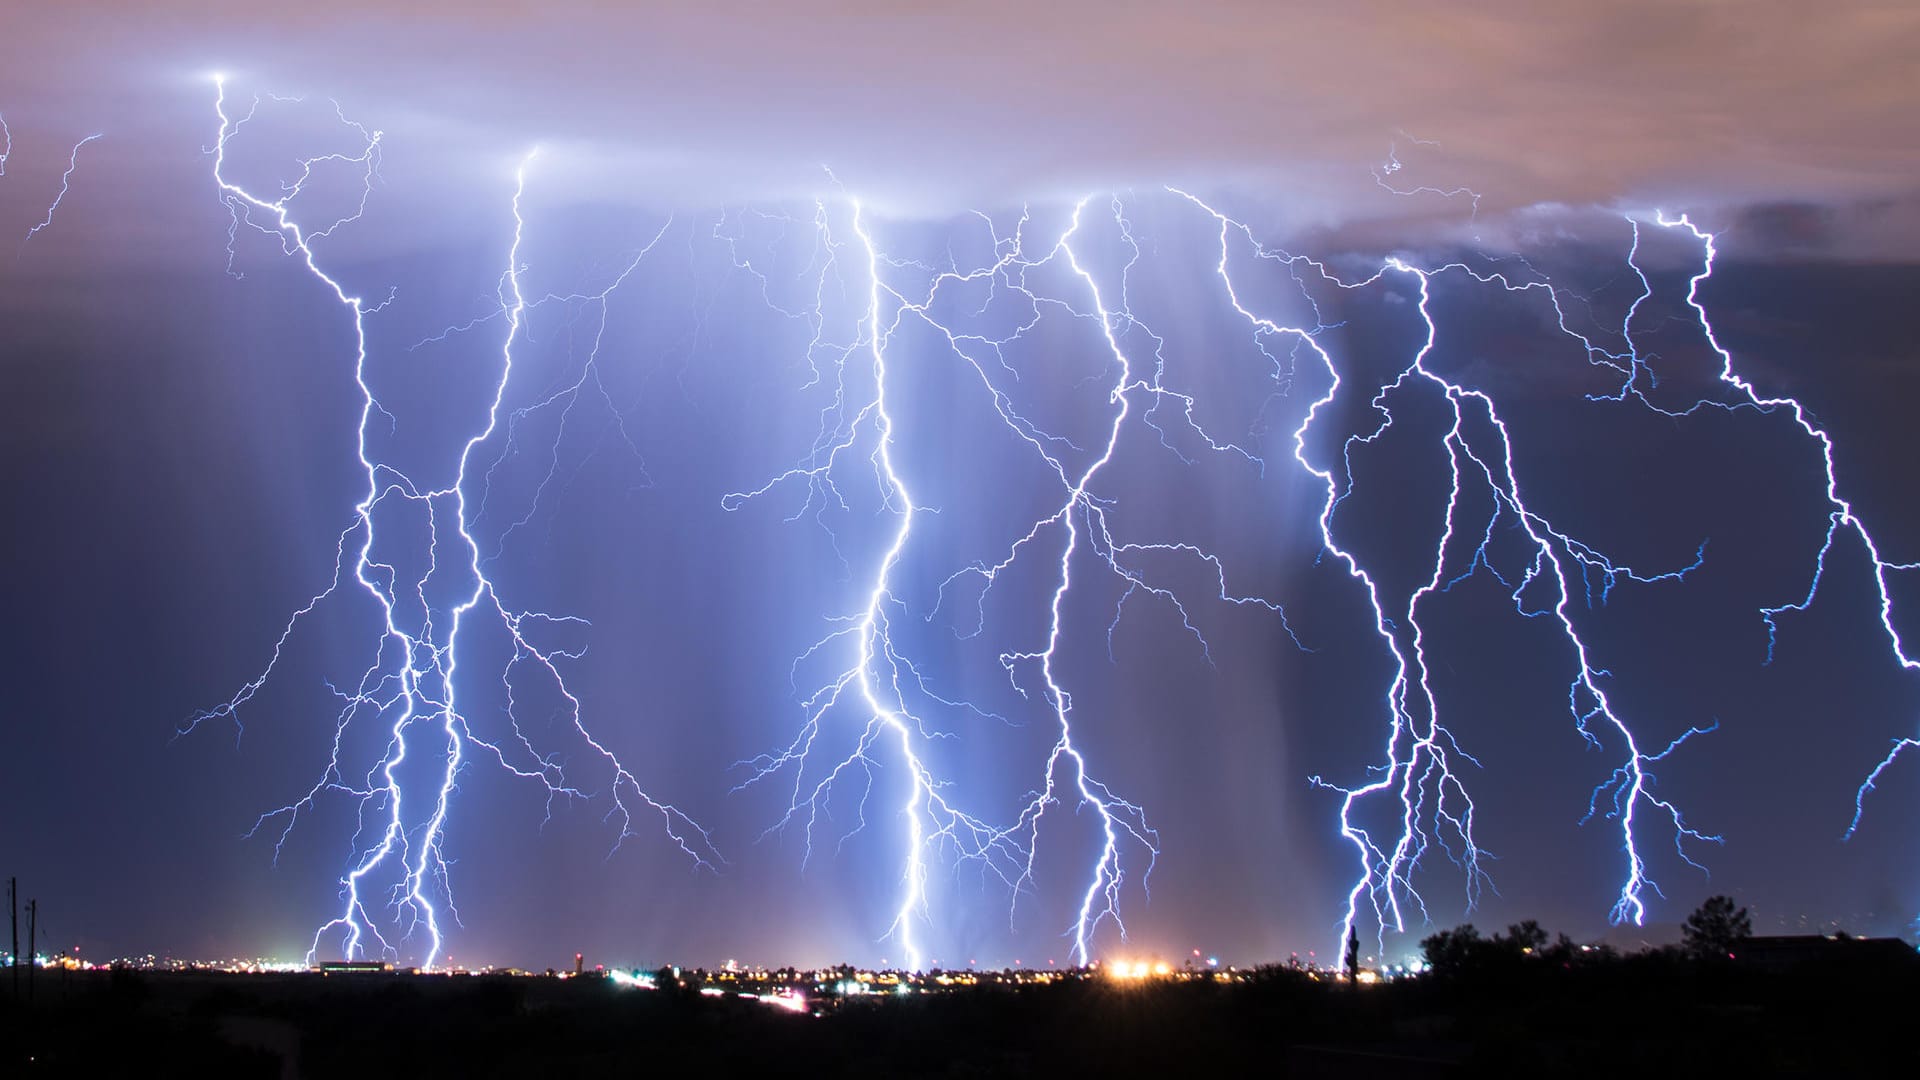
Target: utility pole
(13, 905)
(33, 925)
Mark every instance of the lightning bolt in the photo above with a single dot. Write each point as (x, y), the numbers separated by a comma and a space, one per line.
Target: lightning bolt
(6, 144)
(1841, 517)
(1422, 772)
(1416, 798)
(410, 684)
(1121, 822)
(879, 674)
(66, 178)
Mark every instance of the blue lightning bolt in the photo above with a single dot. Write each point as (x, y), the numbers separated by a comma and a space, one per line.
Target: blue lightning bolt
(1841, 517)
(880, 672)
(1116, 815)
(877, 672)
(411, 681)
(66, 178)
(1066, 768)
(1421, 773)
(6, 144)
(1421, 779)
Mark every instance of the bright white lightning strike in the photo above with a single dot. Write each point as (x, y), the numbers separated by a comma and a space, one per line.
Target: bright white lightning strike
(1421, 773)
(409, 688)
(1840, 519)
(411, 681)
(881, 673)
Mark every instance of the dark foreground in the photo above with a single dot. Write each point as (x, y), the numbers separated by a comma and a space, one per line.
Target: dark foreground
(1641, 1016)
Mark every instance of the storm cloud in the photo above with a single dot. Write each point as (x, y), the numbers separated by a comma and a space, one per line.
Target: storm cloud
(930, 106)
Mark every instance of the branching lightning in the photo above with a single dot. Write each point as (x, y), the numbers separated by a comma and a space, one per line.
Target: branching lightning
(415, 547)
(410, 686)
(881, 674)
(1841, 518)
(1422, 772)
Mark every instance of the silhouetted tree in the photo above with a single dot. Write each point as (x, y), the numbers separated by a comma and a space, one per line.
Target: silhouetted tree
(1563, 952)
(1525, 937)
(1455, 951)
(1716, 926)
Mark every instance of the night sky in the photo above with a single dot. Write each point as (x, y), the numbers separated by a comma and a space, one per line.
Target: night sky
(185, 424)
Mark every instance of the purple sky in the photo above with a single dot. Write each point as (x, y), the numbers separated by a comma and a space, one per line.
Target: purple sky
(183, 460)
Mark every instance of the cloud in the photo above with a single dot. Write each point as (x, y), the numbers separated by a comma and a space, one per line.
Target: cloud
(931, 105)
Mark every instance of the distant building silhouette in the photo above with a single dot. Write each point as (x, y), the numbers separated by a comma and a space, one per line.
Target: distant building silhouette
(353, 967)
